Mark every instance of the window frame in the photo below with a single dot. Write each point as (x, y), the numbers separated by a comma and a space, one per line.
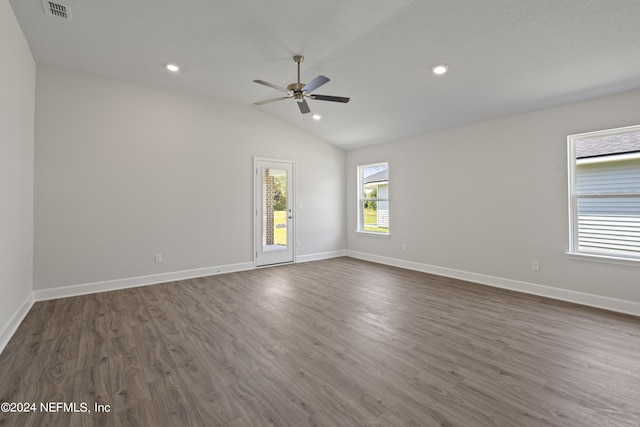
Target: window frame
(361, 200)
(574, 242)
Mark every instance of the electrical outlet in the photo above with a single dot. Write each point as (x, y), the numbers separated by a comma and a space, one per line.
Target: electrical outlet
(535, 265)
(404, 246)
(158, 258)
(298, 244)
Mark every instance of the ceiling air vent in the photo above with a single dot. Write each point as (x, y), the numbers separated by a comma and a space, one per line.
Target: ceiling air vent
(57, 8)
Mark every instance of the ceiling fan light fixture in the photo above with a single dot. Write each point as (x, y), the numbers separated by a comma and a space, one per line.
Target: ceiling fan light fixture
(440, 69)
(316, 117)
(173, 68)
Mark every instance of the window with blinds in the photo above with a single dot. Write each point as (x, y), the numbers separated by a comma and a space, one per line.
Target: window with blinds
(604, 183)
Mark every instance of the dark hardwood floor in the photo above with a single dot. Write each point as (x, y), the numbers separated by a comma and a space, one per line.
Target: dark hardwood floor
(339, 342)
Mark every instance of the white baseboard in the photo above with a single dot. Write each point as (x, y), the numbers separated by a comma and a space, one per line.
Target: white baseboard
(132, 282)
(15, 320)
(321, 255)
(598, 301)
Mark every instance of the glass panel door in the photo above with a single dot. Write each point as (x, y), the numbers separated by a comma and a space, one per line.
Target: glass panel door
(274, 198)
(274, 217)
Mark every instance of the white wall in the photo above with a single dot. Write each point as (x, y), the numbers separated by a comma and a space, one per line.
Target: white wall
(17, 88)
(488, 199)
(125, 171)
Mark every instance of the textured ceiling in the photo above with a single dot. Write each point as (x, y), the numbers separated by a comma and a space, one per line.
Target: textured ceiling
(505, 56)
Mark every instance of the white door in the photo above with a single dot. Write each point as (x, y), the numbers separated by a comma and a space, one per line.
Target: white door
(274, 212)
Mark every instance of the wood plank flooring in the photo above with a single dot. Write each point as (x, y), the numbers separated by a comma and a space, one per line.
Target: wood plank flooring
(339, 342)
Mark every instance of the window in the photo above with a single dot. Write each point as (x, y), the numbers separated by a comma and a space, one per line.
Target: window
(604, 190)
(373, 198)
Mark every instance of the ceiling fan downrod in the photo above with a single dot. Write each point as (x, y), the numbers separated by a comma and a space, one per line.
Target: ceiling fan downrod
(296, 88)
(298, 59)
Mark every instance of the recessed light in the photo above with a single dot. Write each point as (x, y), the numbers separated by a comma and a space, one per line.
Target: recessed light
(173, 67)
(316, 117)
(440, 69)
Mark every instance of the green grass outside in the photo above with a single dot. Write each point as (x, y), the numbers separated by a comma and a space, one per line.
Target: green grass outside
(371, 217)
(280, 234)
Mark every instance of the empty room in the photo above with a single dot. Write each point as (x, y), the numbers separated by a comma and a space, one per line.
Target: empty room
(338, 213)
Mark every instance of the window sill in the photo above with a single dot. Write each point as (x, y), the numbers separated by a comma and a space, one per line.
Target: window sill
(374, 234)
(581, 256)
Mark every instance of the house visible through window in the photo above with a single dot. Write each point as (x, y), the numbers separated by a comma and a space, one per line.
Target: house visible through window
(373, 198)
(605, 193)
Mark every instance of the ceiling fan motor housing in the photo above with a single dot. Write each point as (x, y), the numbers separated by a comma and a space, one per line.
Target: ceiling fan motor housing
(296, 88)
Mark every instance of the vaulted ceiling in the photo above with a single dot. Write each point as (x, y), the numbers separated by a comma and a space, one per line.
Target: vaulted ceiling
(504, 56)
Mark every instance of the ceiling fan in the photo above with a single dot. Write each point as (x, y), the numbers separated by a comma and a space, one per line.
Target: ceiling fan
(300, 91)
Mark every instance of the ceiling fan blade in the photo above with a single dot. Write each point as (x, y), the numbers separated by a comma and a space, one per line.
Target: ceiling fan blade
(304, 107)
(330, 98)
(280, 88)
(271, 100)
(315, 84)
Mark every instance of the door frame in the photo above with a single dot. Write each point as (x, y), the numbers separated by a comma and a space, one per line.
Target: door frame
(257, 201)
